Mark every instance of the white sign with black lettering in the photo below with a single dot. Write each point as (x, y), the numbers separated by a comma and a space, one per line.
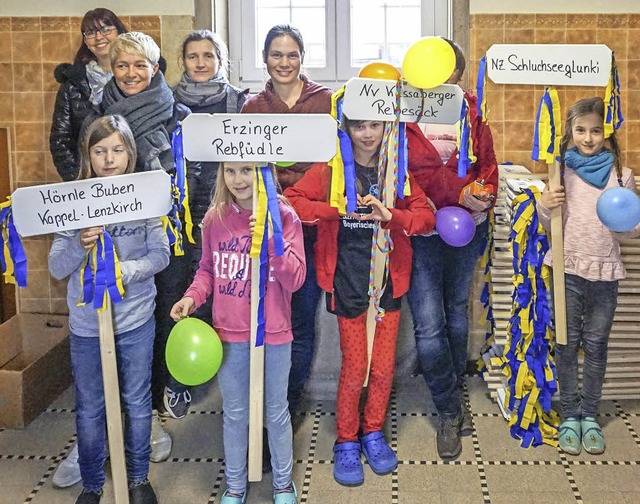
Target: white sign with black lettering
(374, 100)
(259, 137)
(549, 64)
(92, 202)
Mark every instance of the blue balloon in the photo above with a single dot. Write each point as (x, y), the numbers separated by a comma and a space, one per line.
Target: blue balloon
(455, 226)
(618, 209)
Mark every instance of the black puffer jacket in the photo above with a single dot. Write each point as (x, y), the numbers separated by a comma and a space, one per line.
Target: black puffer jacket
(71, 108)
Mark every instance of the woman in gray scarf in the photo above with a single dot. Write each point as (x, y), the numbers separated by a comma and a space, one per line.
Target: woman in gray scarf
(204, 88)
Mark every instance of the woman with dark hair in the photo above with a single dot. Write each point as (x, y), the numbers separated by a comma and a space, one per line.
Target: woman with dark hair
(288, 91)
(203, 88)
(81, 85)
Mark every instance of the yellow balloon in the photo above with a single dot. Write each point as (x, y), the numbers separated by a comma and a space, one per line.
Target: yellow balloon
(428, 63)
(379, 70)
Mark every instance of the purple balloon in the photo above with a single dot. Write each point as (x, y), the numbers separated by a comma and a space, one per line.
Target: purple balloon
(455, 226)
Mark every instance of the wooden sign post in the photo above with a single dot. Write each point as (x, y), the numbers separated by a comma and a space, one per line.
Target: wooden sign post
(93, 202)
(555, 65)
(374, 100)
(258, 138)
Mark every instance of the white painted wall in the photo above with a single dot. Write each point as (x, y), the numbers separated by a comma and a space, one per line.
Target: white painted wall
(79, 7)
(553, 6)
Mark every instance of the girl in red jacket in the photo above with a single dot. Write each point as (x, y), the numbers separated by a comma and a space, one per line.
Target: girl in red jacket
(342, 256)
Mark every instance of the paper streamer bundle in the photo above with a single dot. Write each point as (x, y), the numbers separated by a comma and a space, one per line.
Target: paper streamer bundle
(612, 102)
(101, 274)
(13, 259)
(481, 84)
(267, 213)
(530, 367)
(464, 141)
(180, 198)
(548, 129)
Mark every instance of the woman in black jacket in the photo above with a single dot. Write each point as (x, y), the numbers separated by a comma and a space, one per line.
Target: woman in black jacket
(81, 86)
(204, 88)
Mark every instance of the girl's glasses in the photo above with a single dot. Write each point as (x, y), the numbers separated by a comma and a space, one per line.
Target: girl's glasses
(104, 31)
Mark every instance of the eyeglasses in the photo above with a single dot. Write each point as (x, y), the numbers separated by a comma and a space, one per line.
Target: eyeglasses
(104, 31)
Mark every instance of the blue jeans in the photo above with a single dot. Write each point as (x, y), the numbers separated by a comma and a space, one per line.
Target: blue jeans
(134, 352)
(590, 310)
(233, 378)
(304, 304)
(439, 300)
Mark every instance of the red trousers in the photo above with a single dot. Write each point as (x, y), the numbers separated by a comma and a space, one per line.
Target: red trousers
(353, 343)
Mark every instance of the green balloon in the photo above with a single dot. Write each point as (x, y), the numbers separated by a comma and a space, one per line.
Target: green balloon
(283, 164)
(193, 352)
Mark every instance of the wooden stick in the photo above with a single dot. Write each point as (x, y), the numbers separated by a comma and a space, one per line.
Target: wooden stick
(256, 372)
(112, 405)
(557, 248)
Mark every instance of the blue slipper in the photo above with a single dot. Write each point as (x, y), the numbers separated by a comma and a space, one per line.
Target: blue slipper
(228, 499)
(592, 438)
(286, 497)
(570, 435)
(347, 466)
(381, 458)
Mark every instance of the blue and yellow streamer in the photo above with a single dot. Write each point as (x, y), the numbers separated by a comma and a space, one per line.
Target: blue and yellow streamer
(267, 213)
(481, 84)
(180, 198)
(13, 259)
(101, 274)
(464, 141)
(547, 133)
(612, 102)
(343, 172)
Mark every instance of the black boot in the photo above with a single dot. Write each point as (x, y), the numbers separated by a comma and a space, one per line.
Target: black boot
(89, 497)
(142, 493)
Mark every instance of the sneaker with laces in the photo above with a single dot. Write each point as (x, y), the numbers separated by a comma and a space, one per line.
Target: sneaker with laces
(142, 493)
(68, 471)
(448, 437)
(466, 427)
(176, 404)
(89, 497)
(161, 442)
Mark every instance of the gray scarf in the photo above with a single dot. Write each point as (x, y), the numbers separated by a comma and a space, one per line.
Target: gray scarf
(201, 94)
(97, 78)
(148, 114)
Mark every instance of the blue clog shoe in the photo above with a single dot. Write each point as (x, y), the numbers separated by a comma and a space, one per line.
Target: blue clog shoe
(347, 466)
(381, 458)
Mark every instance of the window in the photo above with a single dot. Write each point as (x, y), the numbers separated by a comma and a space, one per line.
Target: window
(340, 36)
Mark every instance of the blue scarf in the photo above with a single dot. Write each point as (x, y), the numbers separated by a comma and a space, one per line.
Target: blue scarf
(594, 170)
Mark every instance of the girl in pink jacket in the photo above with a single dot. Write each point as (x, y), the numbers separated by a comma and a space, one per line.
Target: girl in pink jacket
(225, 273)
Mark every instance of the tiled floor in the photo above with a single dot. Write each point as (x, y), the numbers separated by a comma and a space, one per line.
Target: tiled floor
(492, 467)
